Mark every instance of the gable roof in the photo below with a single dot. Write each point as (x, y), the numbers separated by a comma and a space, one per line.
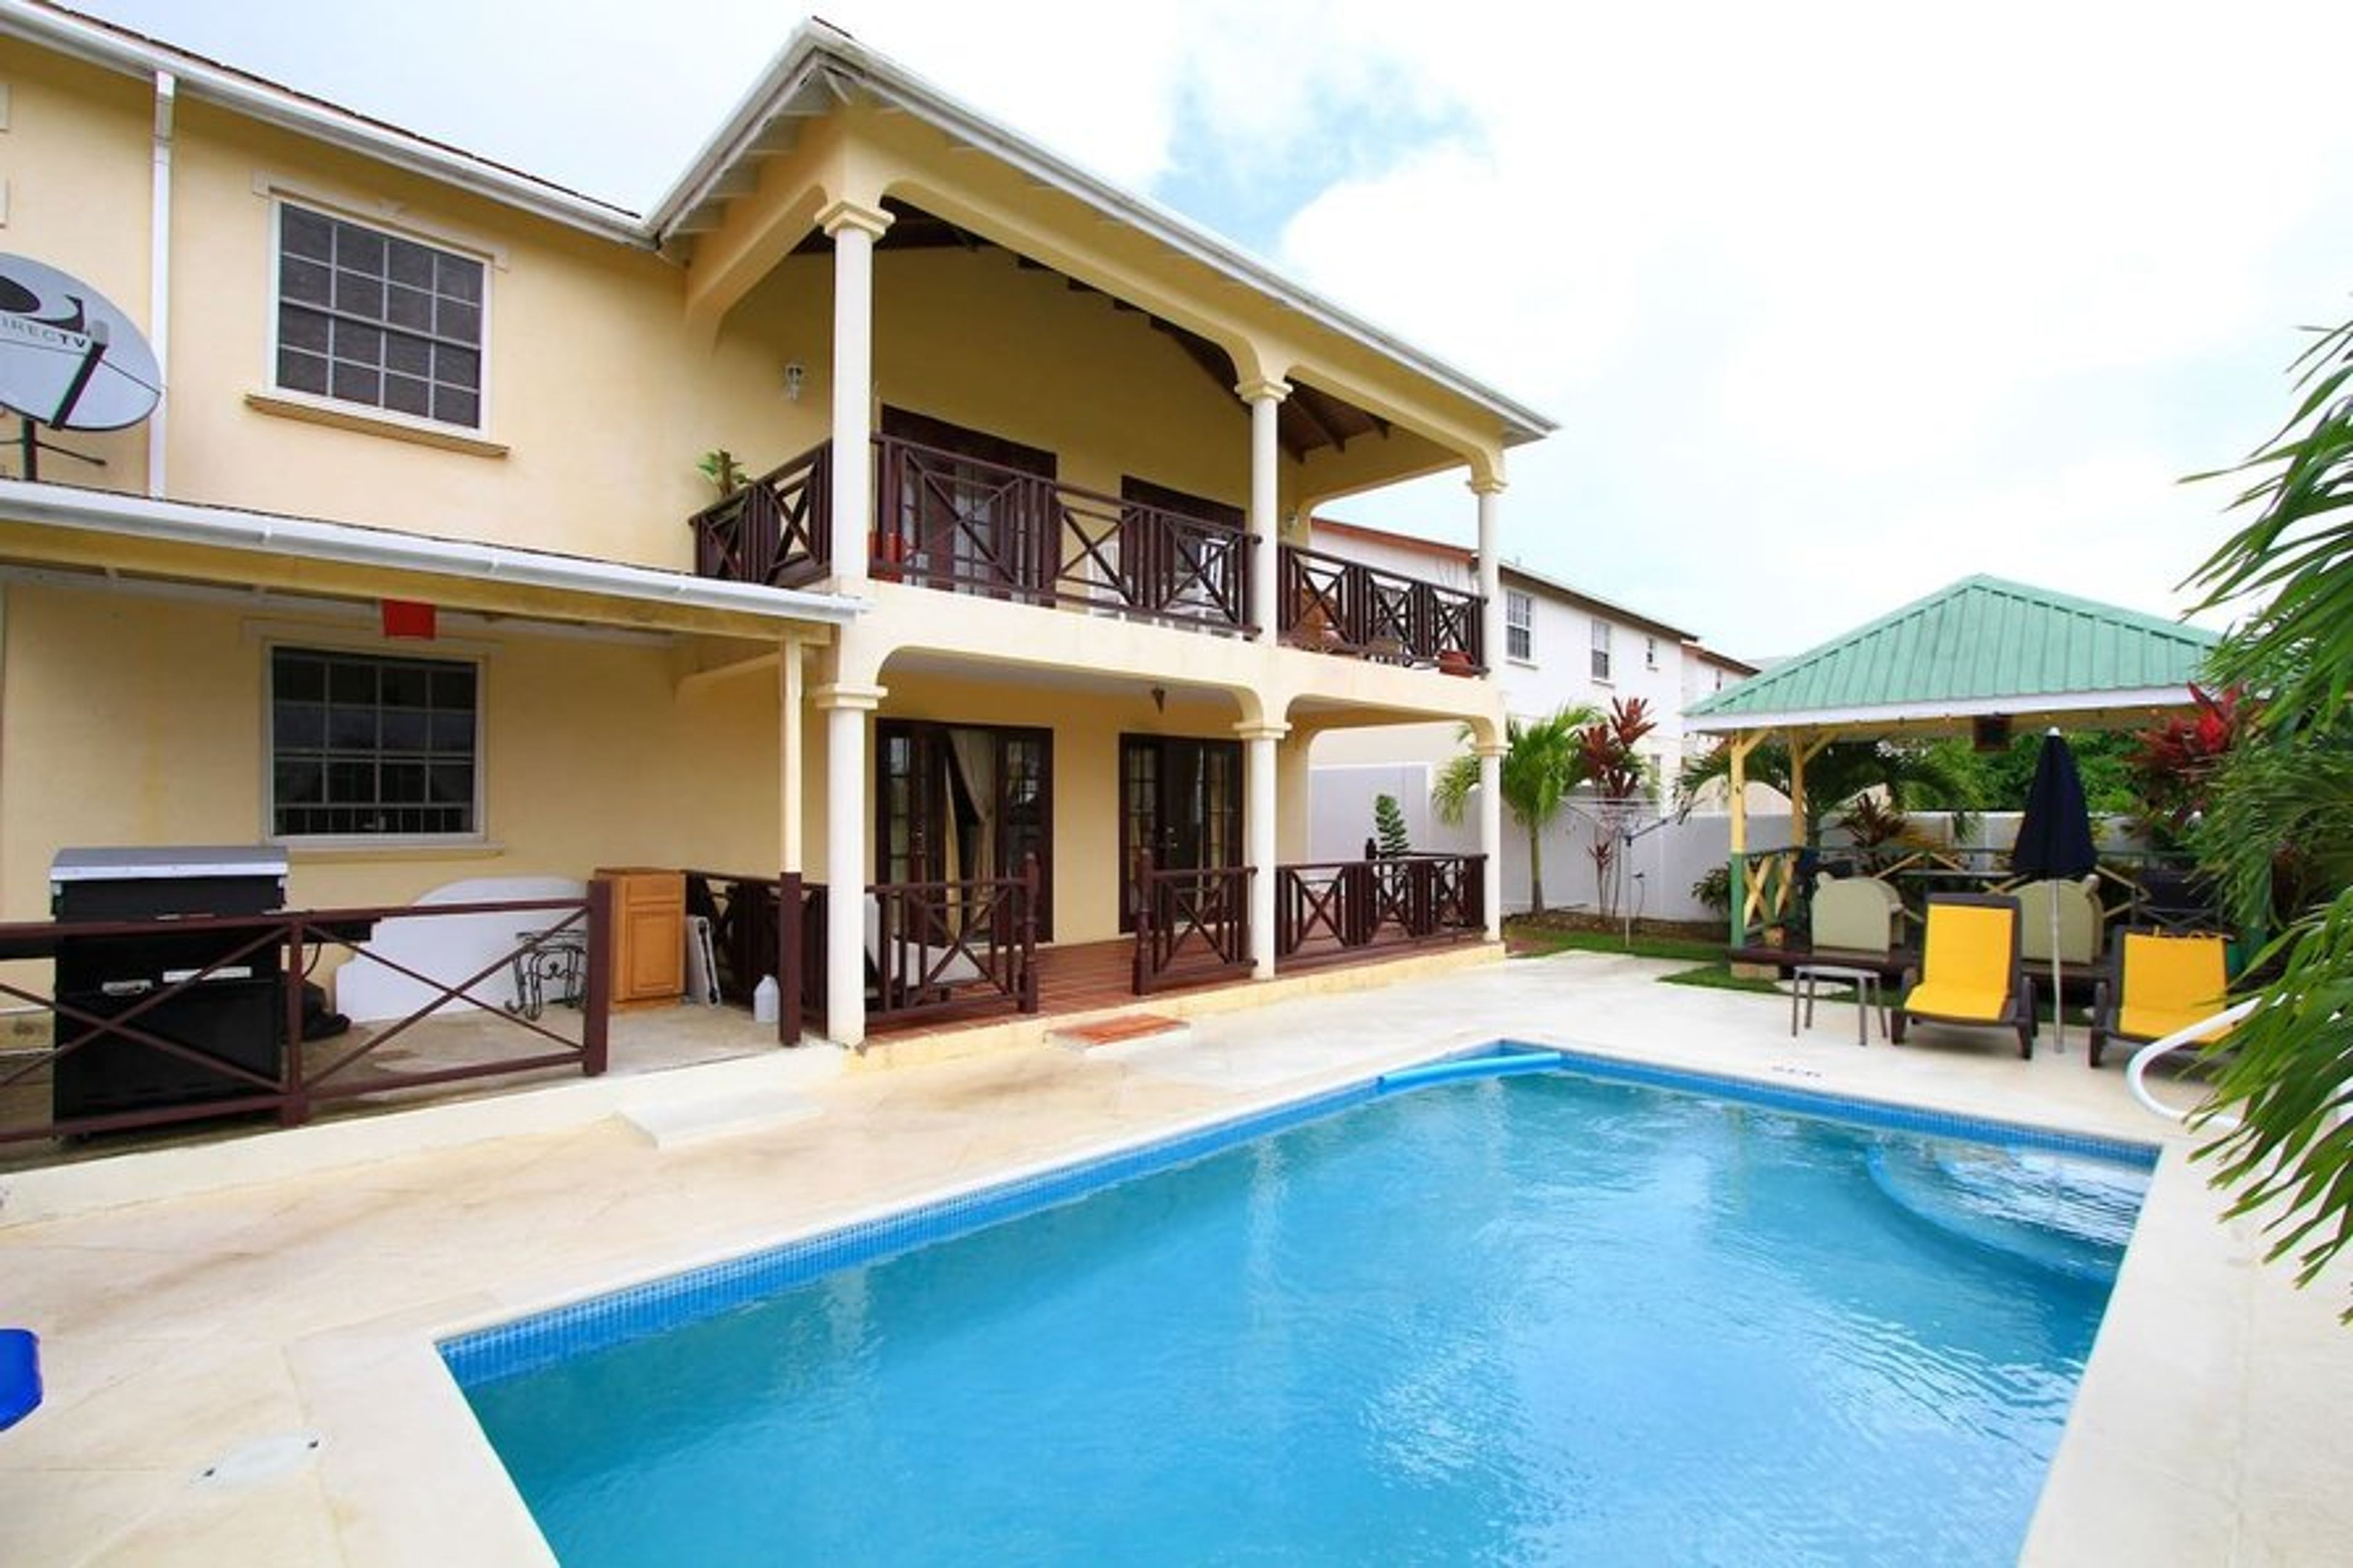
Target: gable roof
(818, 68)
(1982, 646)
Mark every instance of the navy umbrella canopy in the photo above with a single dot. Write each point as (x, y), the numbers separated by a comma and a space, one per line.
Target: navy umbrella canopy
(2055, 837)
(2055, 840)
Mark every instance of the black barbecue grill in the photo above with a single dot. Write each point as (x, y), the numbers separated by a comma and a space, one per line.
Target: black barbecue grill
(235, 1015)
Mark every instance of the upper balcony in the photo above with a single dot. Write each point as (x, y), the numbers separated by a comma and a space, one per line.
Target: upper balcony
(951, 523)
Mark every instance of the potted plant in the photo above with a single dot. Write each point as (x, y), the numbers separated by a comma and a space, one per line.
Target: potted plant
(725, 474)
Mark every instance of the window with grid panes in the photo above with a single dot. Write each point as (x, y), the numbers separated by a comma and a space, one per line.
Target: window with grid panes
(1519, 625)
(1601, 650)
(365, 745)
(375, 319)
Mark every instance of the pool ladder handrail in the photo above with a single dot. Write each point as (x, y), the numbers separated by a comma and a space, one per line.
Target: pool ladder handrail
(2137, 1070)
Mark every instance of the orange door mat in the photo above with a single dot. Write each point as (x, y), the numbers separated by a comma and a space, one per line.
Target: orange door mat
(1127, 1029)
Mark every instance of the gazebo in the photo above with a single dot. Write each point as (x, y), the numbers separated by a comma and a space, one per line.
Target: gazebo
(1985, 656)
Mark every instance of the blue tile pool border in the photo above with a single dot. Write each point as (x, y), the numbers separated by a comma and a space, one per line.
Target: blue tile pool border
(542, 1339)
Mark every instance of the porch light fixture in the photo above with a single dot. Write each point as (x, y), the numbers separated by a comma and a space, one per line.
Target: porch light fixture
(794, 373)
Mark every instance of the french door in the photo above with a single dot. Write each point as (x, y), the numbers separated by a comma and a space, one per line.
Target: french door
(962, 802)
(1182, 799)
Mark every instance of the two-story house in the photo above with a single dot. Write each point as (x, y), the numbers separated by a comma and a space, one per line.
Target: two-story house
(411, 570)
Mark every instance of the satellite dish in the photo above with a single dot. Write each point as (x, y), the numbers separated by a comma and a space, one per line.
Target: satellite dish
(69, 359)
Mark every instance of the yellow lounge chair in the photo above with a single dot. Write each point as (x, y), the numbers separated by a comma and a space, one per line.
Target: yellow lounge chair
(1971, 972)
(2163, 983)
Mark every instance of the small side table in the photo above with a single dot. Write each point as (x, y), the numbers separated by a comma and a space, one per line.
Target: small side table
(551, 959)
(1806, 980)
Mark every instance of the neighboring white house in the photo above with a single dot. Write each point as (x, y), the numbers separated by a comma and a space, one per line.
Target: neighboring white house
(1562, 646)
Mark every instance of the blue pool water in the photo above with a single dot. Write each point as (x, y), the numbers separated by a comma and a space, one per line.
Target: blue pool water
(1542, 1319)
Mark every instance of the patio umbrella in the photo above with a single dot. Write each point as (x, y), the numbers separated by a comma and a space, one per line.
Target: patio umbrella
(2055, 840)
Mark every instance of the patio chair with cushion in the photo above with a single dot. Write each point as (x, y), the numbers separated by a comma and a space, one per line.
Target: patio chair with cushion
(2161, 985)
(1854, 914)
(1970, 969)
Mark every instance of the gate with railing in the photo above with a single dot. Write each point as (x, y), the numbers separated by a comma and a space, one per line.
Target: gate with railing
(190, 1030)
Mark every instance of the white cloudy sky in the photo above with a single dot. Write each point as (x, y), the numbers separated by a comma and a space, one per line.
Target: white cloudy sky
(1835, 303)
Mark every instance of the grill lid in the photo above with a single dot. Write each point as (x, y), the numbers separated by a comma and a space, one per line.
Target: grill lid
(127, 863)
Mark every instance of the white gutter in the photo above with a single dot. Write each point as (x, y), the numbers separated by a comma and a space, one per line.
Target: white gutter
(2019, 704)
(279, 106)
(311, 539)
(159, 277)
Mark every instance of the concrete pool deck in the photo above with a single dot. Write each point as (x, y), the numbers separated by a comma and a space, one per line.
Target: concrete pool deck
(248, 1374)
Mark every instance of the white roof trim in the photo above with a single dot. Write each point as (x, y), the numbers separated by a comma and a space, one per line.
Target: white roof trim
(814, 48)
(105, 46)
(232, 528)
(2018, 706)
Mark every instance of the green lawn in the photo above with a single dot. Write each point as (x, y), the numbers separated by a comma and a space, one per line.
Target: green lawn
(1540, 943)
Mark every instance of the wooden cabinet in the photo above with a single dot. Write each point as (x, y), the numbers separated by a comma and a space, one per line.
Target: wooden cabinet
(648, 934)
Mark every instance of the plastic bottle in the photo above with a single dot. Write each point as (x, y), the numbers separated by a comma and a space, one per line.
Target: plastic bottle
(764, 1000)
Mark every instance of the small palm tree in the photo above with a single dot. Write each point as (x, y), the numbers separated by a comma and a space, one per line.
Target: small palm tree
(1543, 761)
(1915, 777)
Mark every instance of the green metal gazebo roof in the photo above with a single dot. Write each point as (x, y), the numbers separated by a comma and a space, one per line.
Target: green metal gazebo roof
(1980, 648)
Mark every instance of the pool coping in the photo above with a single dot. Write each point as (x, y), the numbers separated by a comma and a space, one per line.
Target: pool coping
(643, 1307)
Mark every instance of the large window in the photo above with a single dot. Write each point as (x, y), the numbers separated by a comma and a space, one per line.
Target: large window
(366, 746)
(1600, 650)
(371, 318)
(1519, 625)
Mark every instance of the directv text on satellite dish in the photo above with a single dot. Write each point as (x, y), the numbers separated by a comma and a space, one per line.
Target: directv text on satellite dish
(68, 358)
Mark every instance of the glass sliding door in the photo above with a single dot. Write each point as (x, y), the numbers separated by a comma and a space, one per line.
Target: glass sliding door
(1181, 798)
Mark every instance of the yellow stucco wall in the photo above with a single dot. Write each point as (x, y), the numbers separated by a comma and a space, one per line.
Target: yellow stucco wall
(133, 717)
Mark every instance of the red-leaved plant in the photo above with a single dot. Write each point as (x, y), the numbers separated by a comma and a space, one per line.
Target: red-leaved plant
(1615, 770)
(2174, 764)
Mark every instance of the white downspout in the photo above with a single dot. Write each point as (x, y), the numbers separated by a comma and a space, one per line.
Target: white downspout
(159, 278)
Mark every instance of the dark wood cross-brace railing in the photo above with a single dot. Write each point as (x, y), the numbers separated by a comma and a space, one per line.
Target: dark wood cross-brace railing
(1336, 605)
(776, 530)
(146, 1032)
(950, 522)
(959, 947)
(1192, 923)
(1349, 906)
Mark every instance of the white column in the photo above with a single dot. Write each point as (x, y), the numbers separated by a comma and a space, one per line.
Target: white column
(1265, 399)
(854, 229)
(1490, 493)
(846, 708)
(791, 756)
(1491, 833)
(1258, 814)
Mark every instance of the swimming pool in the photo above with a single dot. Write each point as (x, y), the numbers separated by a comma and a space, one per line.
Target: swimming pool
(1557, 1317)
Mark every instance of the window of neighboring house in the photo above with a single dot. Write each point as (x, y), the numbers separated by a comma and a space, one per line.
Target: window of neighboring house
(375, 319)
(1649, 653)
(1600, 650)
(1519, 625)
(365, 746)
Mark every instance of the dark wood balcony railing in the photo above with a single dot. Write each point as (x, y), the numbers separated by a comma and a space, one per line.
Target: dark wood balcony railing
(945, 520)
(1336, 605)
(952, 523)
(776, 530)
(1378, 901)
(207, 1034)
(1191, 924)
(959, 947)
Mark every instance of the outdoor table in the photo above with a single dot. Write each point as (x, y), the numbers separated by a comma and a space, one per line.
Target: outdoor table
(1807, 978)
